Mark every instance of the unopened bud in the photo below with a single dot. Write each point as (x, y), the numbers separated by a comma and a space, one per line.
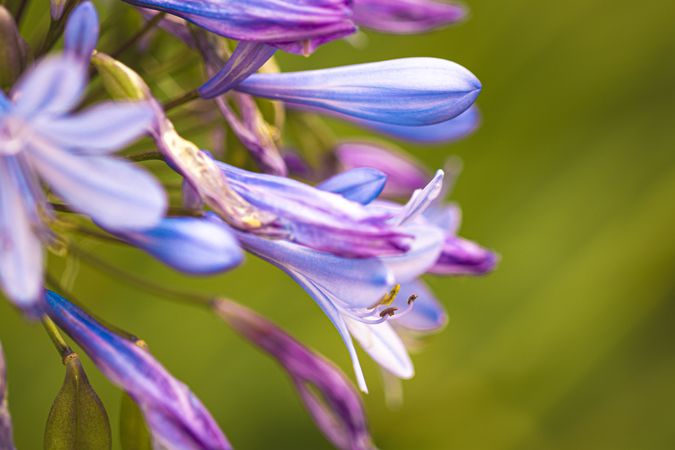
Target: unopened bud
(13, 50)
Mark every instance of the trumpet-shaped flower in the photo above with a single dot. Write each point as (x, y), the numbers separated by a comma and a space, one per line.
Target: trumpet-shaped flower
(297, 26)
(6, 440)
(408, 91)
(176, 418)
(328, 395)
(39, 138)
(406, 16)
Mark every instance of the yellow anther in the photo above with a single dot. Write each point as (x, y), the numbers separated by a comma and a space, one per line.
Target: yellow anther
(388, 298)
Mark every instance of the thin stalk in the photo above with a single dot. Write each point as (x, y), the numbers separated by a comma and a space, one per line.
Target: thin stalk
(149, 25)
(179, 101)
(57, 339)
(56, 29)
(145, 156)
(20, 11)
(141, 283)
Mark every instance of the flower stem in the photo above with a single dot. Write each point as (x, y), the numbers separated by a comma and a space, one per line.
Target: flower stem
(148, 286)
(55, 335)
(149, 25)
(145, 156)
(18, 15)
(179, 101)
(56, 28)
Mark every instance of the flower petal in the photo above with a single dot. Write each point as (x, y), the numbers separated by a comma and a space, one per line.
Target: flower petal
(361, 185)
(421, 200)
(53, 87)
(103, 128)
(115, 193)
(382, 343)
(81, 33)
(424, 251)
(21, 258)
(427, 313)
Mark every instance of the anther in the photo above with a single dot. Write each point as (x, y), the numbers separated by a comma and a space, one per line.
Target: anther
(388, 311)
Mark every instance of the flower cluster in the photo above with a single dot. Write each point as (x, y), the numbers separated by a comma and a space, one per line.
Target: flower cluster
(356, 224)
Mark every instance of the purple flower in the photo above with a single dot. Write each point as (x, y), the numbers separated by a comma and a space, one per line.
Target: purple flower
(81, 33)
(297, 26)
(6, 440)
(70, 152)
(198, 246)
(409, 91)
(318, 219)
(406, 16)
(327, 393)
(356, 294)
(362, 185)
(176, 418)
(403, 174)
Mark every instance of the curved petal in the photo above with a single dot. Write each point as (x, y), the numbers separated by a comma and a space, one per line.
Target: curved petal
(101, 129)
(421, 200)
(193, 245)
(382, 343)
(406, 16)
(115, 193)
(53, 87)
(361, 185)
(422, 255)
(21, 255)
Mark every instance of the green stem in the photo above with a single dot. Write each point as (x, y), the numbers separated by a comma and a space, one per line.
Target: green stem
(141, 283)
(56, 29)
(55, 335)
(179, 101)
(149, 25)
(20, 11)
(145, 156)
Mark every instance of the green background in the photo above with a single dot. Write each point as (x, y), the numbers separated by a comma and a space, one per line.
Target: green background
(571, 178)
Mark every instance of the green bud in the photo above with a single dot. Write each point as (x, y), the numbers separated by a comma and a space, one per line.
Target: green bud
(77, 419)
(121, 82)
(13, 50)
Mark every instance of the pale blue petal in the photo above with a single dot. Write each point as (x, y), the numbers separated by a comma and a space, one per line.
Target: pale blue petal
(21, 257)
(427, 313)
(53, 87)
(199, 246)
(362, 185)
(81, 33)
(422, 255)
(114, 192)
(103, 128)
(382, 343)
(421, 200)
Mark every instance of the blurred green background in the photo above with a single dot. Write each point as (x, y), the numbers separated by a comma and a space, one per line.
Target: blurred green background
(569, 345)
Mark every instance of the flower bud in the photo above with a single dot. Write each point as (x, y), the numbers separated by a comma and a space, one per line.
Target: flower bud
(13, 50)
(121, 82)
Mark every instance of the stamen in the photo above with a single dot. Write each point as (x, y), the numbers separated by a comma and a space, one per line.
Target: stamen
(412, 299)
(388, 298)
(388, 312)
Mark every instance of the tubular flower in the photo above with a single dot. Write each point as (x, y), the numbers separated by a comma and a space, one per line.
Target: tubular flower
(408, 91)
(6, 440)
(406, 16)
(297, 26)
(176, 418)
(337, 410)
(70, 152)
(356, 294)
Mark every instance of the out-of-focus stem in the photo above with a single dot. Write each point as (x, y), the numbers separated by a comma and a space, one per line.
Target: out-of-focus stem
(179, 101)
(55, 335)
(149, 25)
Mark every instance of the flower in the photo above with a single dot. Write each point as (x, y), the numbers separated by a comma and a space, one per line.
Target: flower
(70, 152)
(6, 440)
(356, 294)
(406, 16)
(176, 418)
(296, 26)
(81, 33)
(327, 393)
(197, 246)
(408, 91)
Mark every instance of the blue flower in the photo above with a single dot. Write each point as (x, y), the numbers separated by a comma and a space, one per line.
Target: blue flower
(40, 139)
(81, 33)
(297, 26)
(176, 418)
(409, 91)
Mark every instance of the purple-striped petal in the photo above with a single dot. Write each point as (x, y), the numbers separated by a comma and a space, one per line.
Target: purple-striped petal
(246, 59)
(328, 395)
(81, 33)
(198, 246)
(176, 418)
(404, 175)
(104, 128)
(115, 193)
(52, 87)
(409, 91)
(464, 257)
(406, 16)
